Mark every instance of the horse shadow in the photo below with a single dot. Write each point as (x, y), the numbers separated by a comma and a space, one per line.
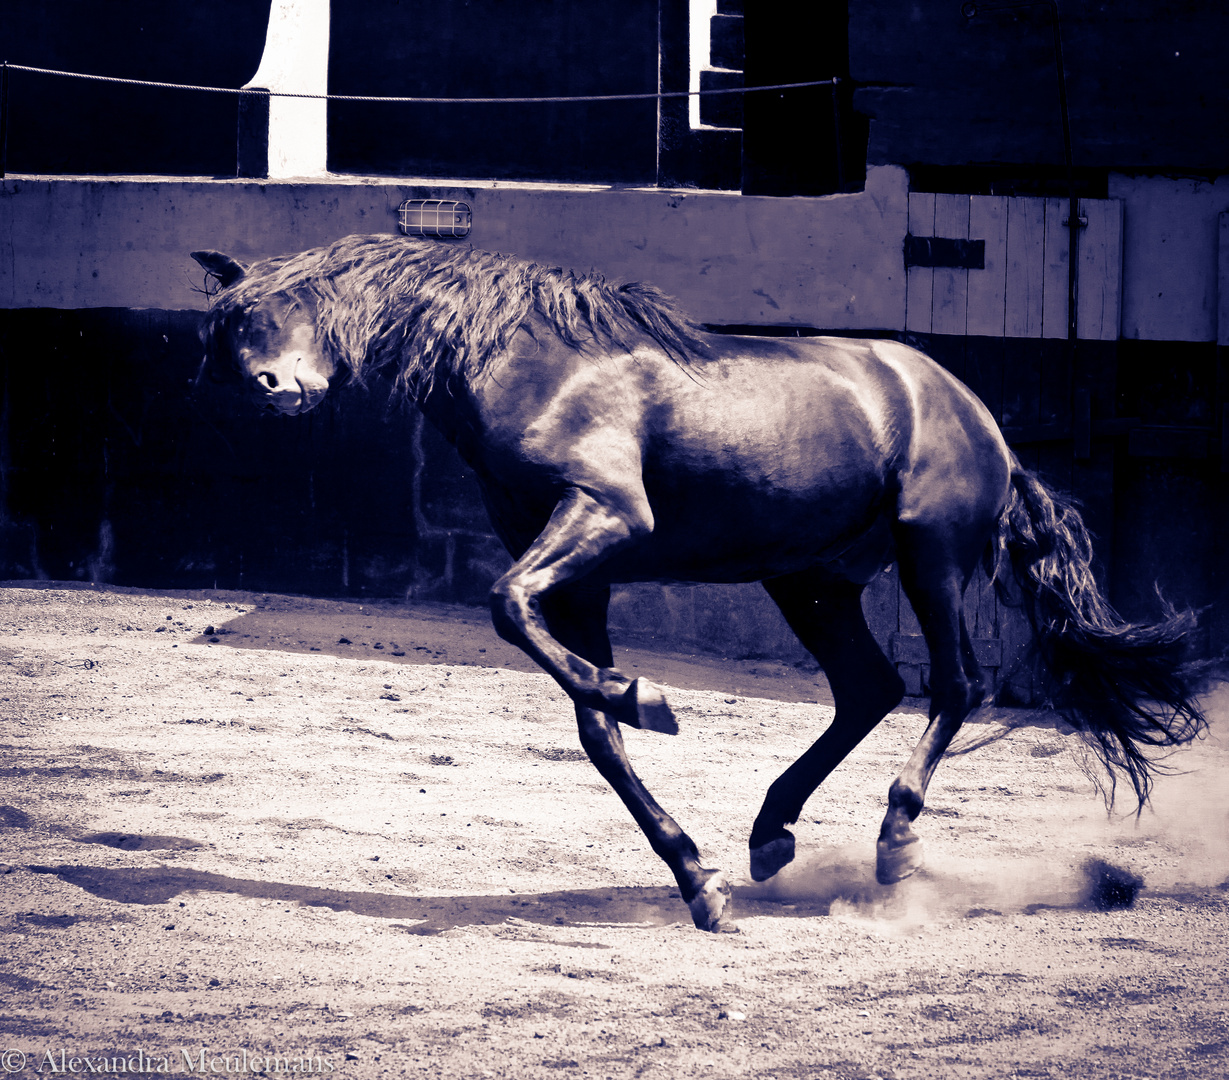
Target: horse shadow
(837, 882)
(639, 906)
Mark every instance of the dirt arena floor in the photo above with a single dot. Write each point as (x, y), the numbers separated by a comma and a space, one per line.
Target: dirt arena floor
(248, 834)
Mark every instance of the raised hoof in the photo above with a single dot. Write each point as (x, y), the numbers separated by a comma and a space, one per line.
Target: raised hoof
(895, 862)
(648, 705)
(768, 858)
(708, 904)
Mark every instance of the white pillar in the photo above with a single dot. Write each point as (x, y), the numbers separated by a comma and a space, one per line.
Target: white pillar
(296, 60)
(702, 12)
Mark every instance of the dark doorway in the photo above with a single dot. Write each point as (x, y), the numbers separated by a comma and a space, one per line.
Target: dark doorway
(807, 141)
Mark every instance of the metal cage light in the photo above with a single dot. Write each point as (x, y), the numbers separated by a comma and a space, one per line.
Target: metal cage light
(434, 217)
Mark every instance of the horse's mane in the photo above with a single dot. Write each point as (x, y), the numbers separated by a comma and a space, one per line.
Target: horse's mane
(430, 309)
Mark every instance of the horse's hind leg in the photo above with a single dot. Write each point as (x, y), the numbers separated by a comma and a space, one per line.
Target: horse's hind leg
(826, 614)
(934, 581)
(576, 617)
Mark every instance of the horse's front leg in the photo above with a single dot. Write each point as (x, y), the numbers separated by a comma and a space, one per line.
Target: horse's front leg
(704, 890)
(582, 533)
(576, 618)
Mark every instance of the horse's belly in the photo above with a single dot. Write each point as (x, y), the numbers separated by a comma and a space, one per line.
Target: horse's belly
(727, 560)
(754, 491)
(706, 532)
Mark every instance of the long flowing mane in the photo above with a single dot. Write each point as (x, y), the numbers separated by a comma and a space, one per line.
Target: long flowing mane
(431, 309)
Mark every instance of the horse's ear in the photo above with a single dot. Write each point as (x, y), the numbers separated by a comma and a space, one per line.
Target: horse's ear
(223, 267)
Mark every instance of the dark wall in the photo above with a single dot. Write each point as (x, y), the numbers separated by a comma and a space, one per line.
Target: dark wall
(467, 48)
(1144, 79)
(495, 48)
(59, 125)
(113, 469)
(1145, 461)
(687, 156)
(1172, 480)
(1145, 82)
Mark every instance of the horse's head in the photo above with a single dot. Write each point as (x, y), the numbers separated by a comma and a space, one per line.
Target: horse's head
(268, 342)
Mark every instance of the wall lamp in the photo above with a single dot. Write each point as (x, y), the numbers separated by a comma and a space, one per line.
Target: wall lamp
(434, 217)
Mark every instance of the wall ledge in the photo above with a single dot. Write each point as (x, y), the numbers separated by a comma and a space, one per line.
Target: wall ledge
(123, 241)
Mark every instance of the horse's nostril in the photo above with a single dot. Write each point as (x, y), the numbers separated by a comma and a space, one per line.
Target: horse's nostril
(267, 379)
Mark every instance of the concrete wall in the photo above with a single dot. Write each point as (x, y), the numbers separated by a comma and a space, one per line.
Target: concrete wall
(833, 262)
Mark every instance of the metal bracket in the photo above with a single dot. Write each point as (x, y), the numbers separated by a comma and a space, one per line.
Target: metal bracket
(937, 251)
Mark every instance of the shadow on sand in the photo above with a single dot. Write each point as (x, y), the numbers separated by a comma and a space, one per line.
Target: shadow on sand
(633, 906)
(836, 883)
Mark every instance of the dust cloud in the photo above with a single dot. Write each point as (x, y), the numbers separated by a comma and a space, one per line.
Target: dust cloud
(1180, 842)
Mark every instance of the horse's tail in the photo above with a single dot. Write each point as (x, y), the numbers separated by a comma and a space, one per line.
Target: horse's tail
(1126, 686)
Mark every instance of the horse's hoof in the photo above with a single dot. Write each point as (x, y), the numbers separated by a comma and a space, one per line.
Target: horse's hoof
(707, 905)
(895, 862)
(768, 858)
(649, 706)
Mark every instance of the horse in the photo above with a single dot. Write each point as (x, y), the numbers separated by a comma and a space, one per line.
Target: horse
(615, 441)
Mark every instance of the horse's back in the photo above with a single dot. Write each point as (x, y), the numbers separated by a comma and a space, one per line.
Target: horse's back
(862, 403)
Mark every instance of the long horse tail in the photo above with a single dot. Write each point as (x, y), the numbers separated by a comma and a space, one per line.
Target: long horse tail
(1127, 687)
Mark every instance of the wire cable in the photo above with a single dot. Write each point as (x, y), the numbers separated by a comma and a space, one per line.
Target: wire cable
(532, 100)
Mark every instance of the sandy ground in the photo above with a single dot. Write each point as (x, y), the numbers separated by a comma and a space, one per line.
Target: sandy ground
(248, 834)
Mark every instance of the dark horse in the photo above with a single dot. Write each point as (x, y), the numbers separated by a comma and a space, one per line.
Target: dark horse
(616, 442)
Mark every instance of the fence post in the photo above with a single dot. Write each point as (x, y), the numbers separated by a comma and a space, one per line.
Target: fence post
(252, 151)
(4, 120)
(836, 134)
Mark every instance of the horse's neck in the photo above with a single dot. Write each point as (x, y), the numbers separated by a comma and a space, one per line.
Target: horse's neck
(447, 408)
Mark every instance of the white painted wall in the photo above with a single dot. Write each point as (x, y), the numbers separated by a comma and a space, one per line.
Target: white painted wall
(835, 261)
(701, 12)
(296, 61)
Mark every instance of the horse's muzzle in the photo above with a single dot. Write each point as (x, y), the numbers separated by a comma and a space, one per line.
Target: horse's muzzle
(288, 401)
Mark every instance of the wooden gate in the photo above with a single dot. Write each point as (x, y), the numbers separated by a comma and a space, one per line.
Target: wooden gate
(1021, 289)
(987, 296)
